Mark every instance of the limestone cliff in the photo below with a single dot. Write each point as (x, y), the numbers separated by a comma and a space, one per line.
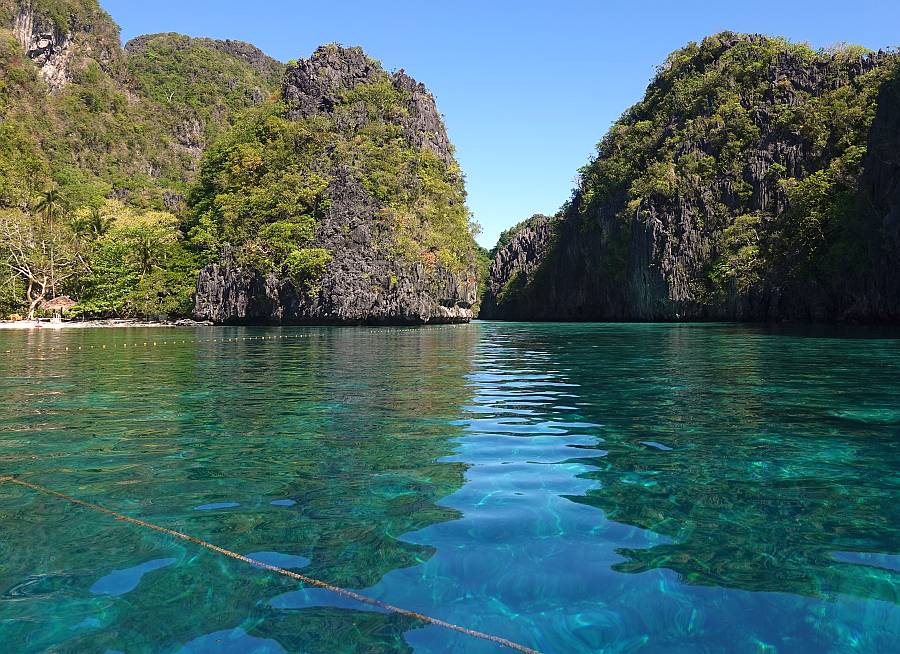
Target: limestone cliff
(878, 289)
(517, 258)
(365, 194)
(56, 37)
(734, 191)
(100, 120)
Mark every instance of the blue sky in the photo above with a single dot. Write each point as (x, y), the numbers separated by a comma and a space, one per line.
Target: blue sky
(527, 88)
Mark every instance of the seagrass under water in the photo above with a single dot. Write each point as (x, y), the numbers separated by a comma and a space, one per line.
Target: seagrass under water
(303, 579)
(575, 488)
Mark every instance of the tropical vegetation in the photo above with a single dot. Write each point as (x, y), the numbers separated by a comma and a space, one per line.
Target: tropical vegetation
(116, 187)
(93, 175)
(693, 140)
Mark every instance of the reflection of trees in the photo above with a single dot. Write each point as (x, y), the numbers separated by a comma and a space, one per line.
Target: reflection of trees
(760, 486)
(348, 423)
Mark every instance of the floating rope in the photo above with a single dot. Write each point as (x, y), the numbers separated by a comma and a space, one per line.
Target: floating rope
(138, 344)
(349, 594)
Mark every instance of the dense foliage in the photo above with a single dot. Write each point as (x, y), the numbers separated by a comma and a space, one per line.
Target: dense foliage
(697, 140)
(119, 261)
(23, 163)
(266, 185)
(123, 138)
(138, 265)
(65, 15)
(202, 83)
(119, 146)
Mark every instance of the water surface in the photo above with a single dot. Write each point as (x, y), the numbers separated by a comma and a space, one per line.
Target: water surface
(576, 488)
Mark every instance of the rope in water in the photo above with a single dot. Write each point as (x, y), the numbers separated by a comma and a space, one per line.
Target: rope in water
(271, 568)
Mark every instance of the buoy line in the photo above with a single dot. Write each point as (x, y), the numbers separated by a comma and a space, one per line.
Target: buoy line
(310, 581)
(175, 341)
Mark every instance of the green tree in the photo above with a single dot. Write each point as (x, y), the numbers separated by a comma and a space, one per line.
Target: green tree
(138, 265)
(49, 206)
(91, 222)
(41, 257)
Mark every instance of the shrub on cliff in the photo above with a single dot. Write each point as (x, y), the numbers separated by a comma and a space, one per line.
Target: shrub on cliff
(730, 190)
(266, 185)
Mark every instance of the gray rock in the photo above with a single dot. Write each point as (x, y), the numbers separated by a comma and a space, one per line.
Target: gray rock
(56, 50)
(514, 265)
(366, 281)
(359, 289)
(46, 45)
(599, 264)
(315, 86)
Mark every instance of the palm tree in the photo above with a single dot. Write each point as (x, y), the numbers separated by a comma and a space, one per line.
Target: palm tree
(95, 224)
(99, 223)
(49, 204)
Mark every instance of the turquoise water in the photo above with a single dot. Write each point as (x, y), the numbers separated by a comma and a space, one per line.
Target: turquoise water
(575, 488)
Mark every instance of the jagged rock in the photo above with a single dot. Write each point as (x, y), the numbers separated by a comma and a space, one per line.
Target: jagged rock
(515, 263)
(366, 282)
(315, 85)
(190, 134)
(173, 202)
(879, 294)
(423, 126)
(361, 288)
(56, 51)
(46, 45)
(612, 261)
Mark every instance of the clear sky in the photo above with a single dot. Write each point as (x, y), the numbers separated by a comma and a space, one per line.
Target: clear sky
(527, 88)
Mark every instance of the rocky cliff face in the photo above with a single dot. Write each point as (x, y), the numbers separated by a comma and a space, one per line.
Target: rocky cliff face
(365, 283)
(318, 84)
(55, 46)
(734, 191)
(878, 290)
(46, 46)
(367, 291)
(366, 279)
(130, 124)
(515, 264)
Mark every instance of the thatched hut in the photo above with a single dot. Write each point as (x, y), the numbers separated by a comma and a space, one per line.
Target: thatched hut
(58, 305)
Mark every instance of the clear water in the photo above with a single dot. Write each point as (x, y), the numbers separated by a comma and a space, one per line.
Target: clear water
(576, 488)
